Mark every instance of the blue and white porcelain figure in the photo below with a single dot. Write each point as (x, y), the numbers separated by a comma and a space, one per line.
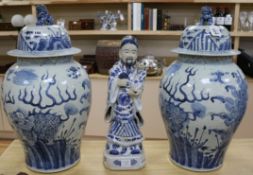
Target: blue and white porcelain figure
(46, 95)
(124, 150)
(203, 97)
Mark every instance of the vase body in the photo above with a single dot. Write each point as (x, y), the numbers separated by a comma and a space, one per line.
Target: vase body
(47, 101)
(202, 101)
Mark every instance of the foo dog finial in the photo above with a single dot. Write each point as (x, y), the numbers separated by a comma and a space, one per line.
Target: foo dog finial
(43, 17)
(206, 16)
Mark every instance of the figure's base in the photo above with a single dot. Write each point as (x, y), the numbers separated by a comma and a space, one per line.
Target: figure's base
(117, 162)
(53, 170)
(194, 169)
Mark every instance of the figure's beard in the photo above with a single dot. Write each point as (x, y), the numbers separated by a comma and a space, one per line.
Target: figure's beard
(130, 61)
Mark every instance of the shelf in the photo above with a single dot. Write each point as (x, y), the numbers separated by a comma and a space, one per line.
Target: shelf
(8, 33)
(222, 1)
(98, 34)
(48, 2)
(14, 3)
(245, 34)
(124, 32)
(129, 1)
(139, 34)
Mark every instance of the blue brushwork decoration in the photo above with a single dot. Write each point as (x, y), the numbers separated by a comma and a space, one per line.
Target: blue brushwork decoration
(203, 96)
(38, 132)
(125, 87)
(24, 77)
(74, 72)
(117, 162)
(183, 111)
(43, 16)
(64, 96)
(46, 95)
(70, 109)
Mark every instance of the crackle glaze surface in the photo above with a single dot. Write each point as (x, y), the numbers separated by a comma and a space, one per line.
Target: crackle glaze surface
(202, 100)
(47, 101)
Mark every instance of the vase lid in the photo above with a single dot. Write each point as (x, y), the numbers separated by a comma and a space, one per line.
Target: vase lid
(43, 39)
(206, 39)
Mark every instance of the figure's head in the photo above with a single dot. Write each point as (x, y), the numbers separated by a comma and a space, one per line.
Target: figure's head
(128, 52)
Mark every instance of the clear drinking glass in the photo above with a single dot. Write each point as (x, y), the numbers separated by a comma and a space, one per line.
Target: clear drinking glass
(244, 23)
(250, 19)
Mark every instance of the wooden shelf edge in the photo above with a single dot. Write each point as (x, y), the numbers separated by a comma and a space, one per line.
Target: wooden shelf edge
(15, 3)
(7, 134)
(8, 33)
(124, 32)
(48, 2)
(245, 34)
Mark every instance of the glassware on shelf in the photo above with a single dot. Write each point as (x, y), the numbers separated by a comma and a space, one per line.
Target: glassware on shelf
(60, 22)
(109, 19)
(244, 23)
(250, 19)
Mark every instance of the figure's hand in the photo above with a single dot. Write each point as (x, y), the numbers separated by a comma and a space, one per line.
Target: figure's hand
(122, 82)
(134, 92)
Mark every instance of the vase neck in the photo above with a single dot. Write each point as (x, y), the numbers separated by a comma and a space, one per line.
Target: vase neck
(205, 59)
(45, 61)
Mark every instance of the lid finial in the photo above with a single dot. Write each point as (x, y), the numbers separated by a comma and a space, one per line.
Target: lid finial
(43, 17)
(206, 16)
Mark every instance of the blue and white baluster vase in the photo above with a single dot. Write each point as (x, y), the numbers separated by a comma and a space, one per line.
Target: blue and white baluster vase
(203, 97)
(46, 95)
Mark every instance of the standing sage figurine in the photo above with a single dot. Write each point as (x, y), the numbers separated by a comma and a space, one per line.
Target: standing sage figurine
(124, 148)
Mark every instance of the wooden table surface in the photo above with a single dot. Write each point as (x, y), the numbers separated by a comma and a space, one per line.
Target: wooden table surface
(238, 160)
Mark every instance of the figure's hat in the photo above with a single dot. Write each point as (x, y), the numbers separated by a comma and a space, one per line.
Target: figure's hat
(129, 39)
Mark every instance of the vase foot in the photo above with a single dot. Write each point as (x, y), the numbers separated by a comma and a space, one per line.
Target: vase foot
(194, 169)
(131, 162)
(54, 170)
